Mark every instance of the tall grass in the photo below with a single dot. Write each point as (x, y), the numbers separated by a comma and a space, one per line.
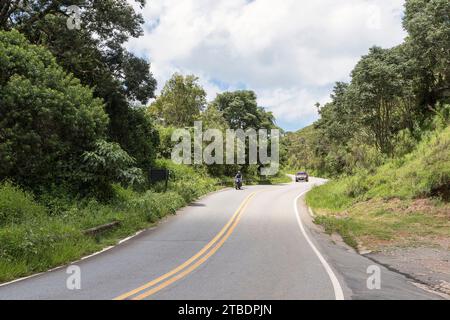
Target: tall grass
(17, 206)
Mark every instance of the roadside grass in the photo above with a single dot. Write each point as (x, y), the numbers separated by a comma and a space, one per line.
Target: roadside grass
(379, 223)
(331, 196)
(405, 202)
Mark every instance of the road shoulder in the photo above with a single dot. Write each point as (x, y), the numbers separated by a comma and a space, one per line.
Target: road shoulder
(352, 268)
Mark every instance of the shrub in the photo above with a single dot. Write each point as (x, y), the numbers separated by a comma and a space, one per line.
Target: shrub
(356, 185)
(135, 132)
(404, 143)
(153, 205)
(47, 118)
(109, 163)
(17, 206)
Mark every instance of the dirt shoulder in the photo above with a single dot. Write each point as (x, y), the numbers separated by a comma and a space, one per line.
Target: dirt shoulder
(409, 236)
(430, 266)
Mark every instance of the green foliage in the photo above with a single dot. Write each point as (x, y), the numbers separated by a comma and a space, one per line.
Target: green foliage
(17, 205)
(34, 249)
(47, 119)
(427, 23)
(95, 55)
(188, 181)
(404, 143)
(165, 141)
(241, 111)
(109, 163)
(394, 97)
(213, 118)
(298, 149)
(181, 101)
(237, 110)
(154, 206)
(425, 172)
(344, 226)
(338, 119)
(138, 136)
(379, 223)
(332, 195)
(379, 81)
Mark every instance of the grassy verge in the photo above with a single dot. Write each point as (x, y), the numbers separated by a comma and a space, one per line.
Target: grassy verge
(405, 202)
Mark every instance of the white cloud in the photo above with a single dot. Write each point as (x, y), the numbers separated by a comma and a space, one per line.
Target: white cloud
(290, 52)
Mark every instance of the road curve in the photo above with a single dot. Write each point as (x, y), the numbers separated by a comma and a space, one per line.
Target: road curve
(248, 244)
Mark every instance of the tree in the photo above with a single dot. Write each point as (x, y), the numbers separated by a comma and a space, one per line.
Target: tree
(338, 120)
(392, 97)
(427, 23)
(141, 139)
(181, 101)
(47, 118)
(241, 111)
(378, 83)
(105, 164)
(213, 118)
(94, 54)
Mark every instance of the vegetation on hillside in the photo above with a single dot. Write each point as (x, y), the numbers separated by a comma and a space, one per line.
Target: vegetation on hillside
(389, 104)
(384, 139)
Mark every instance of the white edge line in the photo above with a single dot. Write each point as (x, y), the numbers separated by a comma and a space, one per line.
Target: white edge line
(311, 213)
(74, 262)
(338, 293)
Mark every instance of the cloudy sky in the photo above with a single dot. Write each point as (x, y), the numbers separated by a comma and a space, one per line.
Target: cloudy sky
(290, 52)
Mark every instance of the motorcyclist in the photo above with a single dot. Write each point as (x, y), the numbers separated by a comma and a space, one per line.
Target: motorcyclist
(238, 179)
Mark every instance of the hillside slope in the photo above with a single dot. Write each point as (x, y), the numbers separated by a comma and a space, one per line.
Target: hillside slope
(398, 215)
(405, 199)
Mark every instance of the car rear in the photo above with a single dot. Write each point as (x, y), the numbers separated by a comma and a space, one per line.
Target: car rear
(301, 176)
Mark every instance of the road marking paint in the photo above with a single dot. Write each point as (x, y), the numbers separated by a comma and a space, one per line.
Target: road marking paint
(197, 264)
(338, 293)
(311, 213)
(193, 258)
(73, 262)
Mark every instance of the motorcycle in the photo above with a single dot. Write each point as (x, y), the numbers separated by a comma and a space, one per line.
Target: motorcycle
(238, 183)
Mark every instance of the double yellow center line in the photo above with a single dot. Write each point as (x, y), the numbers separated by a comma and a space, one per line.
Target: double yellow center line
(193, 263)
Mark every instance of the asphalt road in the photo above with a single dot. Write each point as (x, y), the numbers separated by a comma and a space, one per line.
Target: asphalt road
(257, 243)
